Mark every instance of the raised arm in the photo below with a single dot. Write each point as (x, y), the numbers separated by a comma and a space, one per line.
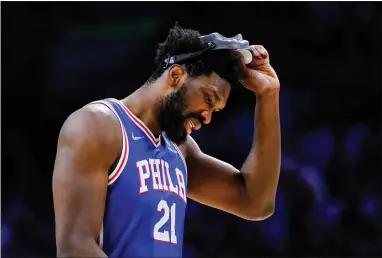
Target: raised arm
(88, 144)
(249, 193)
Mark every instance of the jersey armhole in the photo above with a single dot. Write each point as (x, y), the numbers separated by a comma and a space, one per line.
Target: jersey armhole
(115, 163)
(121, 160)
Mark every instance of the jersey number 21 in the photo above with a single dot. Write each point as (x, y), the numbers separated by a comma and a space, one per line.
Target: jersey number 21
(165, 236)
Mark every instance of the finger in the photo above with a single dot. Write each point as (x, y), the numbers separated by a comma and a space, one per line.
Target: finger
(256, 53)
(262, 50)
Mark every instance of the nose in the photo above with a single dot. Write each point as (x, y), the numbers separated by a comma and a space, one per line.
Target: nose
(207, 117)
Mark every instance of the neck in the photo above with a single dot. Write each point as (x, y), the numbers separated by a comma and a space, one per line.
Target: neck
(143, 103)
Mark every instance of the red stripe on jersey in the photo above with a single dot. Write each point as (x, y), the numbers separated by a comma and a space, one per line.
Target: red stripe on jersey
(125, 154)
(147, 131)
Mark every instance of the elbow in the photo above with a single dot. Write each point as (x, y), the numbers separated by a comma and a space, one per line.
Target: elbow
(67, 249)
(259, 212)
(75, 247)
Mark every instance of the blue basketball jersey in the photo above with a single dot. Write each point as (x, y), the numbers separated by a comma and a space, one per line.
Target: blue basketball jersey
(146, 196)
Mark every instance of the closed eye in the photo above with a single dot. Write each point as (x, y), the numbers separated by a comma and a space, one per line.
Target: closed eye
(208, 99)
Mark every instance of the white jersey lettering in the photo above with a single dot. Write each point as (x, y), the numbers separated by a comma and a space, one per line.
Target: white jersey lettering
(165, 187)
(172, 188)
(158, 171)
(144, 174)
(155, 173)
(182, 188)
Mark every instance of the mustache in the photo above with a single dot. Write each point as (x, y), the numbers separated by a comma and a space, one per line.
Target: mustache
(195, 116)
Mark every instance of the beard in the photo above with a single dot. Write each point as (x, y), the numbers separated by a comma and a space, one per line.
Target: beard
(171, 115)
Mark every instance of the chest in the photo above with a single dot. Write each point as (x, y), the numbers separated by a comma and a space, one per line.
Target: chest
(153, 174)
(148, 201)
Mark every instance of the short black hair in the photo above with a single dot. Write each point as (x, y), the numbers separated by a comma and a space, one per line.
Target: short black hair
(226, 63)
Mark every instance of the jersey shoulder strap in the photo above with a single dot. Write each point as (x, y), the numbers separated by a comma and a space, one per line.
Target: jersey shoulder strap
(121, 160)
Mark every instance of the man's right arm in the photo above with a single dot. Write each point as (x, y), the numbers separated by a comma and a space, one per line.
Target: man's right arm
(89, 142)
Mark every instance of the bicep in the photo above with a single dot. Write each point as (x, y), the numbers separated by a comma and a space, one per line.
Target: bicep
(214, 182)
(80, 178)
(79, 195)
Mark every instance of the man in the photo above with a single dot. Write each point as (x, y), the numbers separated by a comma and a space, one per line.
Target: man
(124, 169)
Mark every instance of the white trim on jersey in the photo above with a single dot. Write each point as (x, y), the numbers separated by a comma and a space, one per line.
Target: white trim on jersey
(155, 141)
(100, 238)
(125, 146)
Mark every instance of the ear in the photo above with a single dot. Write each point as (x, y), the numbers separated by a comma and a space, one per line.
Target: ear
(175, 75)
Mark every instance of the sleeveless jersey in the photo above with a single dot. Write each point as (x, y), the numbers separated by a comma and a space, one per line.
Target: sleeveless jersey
(146, 196)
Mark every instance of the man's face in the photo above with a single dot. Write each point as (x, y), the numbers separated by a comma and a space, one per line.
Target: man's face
(191, 105)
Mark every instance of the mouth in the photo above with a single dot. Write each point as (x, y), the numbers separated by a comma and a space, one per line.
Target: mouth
(190, 125)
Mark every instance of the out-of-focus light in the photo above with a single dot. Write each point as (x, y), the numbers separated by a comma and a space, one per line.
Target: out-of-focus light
(369, 207)
(312, 176)
(353, 140)
(5, 235)
(318, 146)
(287, 163)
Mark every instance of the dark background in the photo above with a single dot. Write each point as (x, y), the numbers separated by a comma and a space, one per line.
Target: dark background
(57, 57)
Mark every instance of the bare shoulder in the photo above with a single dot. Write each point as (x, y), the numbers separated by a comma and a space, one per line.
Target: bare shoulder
(93, 128)
(94, 119)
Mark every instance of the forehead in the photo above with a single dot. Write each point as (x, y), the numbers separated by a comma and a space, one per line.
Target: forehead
(213, 82)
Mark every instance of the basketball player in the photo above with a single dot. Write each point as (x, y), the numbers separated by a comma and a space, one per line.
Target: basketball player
(124, 168)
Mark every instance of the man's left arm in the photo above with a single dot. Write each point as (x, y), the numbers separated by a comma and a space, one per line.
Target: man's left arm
(249, 193)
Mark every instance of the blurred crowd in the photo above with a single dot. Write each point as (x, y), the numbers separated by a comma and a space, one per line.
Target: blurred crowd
(57, 57)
